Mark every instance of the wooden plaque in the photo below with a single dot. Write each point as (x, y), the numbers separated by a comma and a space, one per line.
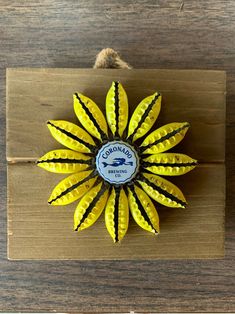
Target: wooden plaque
(38, 231)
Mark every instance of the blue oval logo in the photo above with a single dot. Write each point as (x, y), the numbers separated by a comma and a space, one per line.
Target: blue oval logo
(117, 162)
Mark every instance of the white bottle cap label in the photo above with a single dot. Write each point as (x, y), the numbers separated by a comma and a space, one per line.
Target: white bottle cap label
(117, 162)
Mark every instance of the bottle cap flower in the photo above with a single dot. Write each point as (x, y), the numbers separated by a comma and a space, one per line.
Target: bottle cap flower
(111, 169)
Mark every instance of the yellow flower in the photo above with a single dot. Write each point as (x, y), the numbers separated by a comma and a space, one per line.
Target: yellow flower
(110, 170)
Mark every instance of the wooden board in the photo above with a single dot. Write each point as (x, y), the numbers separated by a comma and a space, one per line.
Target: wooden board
(36, 231)
(36, 95)
(39, 231)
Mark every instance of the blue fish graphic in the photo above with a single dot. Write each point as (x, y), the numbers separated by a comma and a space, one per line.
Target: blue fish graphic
(118, 162)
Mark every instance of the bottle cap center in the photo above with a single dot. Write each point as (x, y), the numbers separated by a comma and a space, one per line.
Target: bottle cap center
(117, 162)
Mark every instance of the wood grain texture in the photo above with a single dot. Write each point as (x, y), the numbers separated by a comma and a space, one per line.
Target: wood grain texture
(148, 34)
(39, 231)
(197, 97)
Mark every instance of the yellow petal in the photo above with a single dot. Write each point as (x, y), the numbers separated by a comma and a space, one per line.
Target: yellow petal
(72, 188)
(164, 138)
(144, 116)
(142, 209)
(90, 207)
(117, 109)
(71, 136)
(162, 191)
(169, 164)
(64, 161)
(90, 116)
(117, 214)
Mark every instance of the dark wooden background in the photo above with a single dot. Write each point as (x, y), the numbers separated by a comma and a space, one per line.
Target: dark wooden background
(149, 34)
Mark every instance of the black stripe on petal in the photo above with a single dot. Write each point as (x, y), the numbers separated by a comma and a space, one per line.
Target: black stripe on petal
(71, 188)
(161, 191)
(141, 208)
(92, 205)
(116, 106)
(91, 117)
(165, 137)
(74, 137)
(116, 211)
(146, 164)
(66, 161)
(144, 116)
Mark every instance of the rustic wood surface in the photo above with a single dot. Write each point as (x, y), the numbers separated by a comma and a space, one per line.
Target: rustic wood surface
(148, 34)
(42, 94)
(197, 97)
(39, 231)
